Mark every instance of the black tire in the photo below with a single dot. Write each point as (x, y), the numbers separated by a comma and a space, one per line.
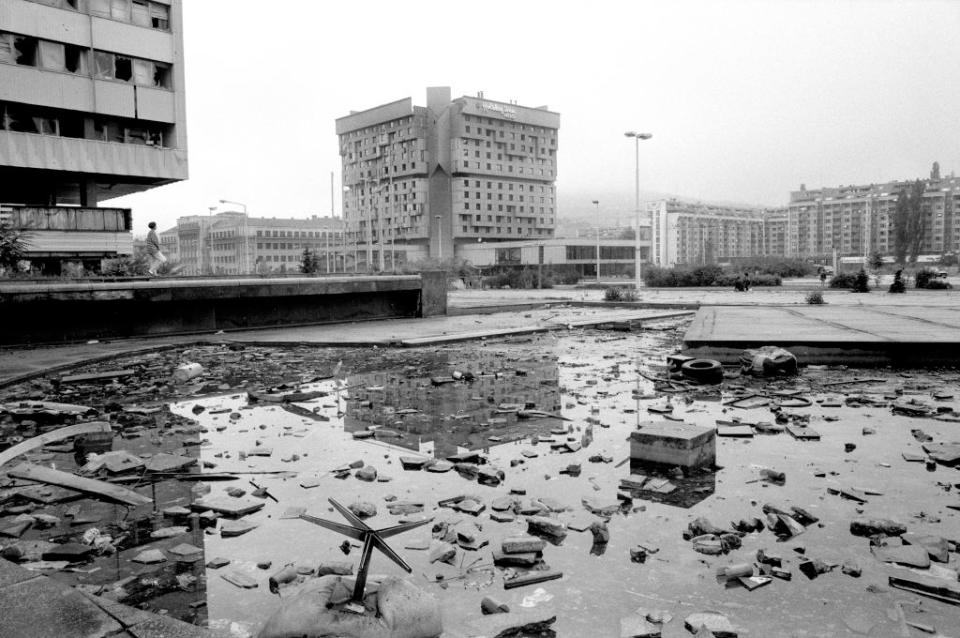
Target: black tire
(703, 370)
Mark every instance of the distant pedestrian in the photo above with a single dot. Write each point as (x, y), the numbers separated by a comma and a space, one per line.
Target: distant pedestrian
(153, 250)
(746, 282)
(823, 277)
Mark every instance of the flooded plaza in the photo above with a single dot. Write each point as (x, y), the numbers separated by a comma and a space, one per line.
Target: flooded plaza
(478, 437)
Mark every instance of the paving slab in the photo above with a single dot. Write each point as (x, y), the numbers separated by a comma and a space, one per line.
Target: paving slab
(867, 335)
(42, 608)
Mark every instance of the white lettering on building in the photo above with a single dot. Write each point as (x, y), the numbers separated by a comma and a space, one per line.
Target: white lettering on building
(502, 109)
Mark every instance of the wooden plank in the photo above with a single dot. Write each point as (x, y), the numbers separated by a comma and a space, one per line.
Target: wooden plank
(803, 434)
(88, 486)
(49, 437)
(740, 431)
(531, 578)
(96, 376)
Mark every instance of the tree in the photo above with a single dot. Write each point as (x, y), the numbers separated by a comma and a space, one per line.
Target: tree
(309, 263)
(909, 223)
(876, 260)
(13, 248)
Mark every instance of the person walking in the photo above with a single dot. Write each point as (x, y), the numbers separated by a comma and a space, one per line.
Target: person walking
(153, 250)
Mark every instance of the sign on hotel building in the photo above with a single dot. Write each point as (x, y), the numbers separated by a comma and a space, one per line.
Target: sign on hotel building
(425, 180)
(91, 108)
(858, 220)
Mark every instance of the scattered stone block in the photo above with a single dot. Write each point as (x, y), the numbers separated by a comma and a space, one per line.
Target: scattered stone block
(675, 444)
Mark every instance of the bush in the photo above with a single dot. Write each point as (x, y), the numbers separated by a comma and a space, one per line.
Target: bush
(843, 280)
(861, 282)
(681, 276)
(619, 294)
(815, 298)
(938, 284)
(923, 277)
(780, 266)
(728, 280)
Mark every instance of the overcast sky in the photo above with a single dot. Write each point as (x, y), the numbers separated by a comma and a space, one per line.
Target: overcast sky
(745, 100)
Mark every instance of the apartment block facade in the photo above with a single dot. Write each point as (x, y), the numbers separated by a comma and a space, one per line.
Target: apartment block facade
(92, 107)
(857, 220)
(697, 233)
(232, 243)
(453, 172)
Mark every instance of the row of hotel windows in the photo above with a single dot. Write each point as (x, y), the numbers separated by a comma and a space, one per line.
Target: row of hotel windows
(69, 58)
(23, 119)
(154, 15)
(511, 208)
(296, 233)
(493, 133)
(510, 185)
(488, 230)
(507, 124)
(499, 167)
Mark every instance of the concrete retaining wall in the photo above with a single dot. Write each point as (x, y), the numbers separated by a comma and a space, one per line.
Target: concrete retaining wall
(44, 312)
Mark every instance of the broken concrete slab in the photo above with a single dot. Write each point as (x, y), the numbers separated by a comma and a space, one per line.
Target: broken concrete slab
(90, 486)
(228, 506)
(716, 623)
(674, 444)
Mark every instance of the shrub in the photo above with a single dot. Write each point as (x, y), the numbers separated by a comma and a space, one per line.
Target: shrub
(843, 280)
(861, 282)
(681, 276)
(815, 297)
(728, 279)
(613, 294)
(781, 266)
(924, 277)
(938, 284)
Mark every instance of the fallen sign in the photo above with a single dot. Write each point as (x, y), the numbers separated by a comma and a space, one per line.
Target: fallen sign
(938, 588)
(90, 486)
(56, 435)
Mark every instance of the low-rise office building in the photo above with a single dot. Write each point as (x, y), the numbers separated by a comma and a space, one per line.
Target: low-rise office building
(232, 243)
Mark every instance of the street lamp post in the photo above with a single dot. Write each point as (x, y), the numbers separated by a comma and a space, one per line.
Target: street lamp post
(636, 236)
(596, 203)
(439, 237)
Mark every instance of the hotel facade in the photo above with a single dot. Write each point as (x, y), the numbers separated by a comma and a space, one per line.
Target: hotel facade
(425, 180)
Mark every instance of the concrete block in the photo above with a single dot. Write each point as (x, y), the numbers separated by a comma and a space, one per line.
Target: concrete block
(672, 443)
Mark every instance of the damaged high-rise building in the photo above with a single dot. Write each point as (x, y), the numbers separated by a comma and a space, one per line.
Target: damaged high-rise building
(91, 108)
(419, 181)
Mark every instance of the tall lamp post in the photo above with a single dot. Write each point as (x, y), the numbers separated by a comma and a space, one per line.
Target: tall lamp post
(636, 236)
(596, 203)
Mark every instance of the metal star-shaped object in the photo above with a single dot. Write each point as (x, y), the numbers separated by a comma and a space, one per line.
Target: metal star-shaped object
(358, 530)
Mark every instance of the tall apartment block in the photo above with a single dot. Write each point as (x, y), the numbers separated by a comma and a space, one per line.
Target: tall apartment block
(91, 108)
(857, 220)
(422, 180)
(695, 233)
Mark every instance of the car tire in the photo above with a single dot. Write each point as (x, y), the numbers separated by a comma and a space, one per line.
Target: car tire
(703, 370)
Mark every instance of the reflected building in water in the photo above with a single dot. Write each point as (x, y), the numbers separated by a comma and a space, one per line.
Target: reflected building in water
(431, 413)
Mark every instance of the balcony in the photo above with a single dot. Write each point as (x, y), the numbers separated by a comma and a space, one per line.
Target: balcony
(48, 152)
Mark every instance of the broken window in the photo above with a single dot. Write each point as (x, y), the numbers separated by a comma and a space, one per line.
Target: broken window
(120, 10)
(75, 59)
(100, 7)
(103, 65)
(6, 47)
(25, 49)
(71, 126)
(161, 75)
(52, 56)
(159, 16)
(143, 73)
(122, 68)
(141, 13)
(46, 125)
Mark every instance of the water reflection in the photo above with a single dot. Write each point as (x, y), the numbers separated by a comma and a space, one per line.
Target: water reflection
(657, 485)
(429, 412)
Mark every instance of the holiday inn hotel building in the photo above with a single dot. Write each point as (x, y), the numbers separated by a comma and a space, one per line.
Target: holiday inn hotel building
(423, 180)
